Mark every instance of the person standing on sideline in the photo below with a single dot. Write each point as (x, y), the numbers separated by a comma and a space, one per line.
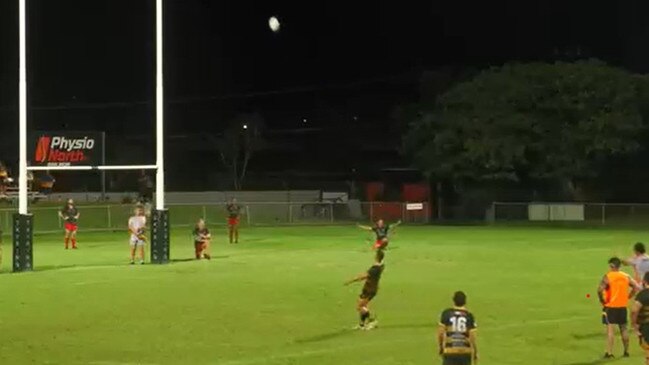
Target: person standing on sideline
(70, 215)
(234, 215)
(615, 289)
(639, 261)
(456, 335)
(136, 226)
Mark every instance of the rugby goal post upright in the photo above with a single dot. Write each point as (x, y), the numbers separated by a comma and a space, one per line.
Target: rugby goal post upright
(23, 221)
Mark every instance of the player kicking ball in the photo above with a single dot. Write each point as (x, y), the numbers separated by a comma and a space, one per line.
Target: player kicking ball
(382, 232)
(202, 238)
(136, 226)
(370, 289)
(70, 214)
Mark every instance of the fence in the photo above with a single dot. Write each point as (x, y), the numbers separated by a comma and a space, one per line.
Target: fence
(593, 213)
(115, 217)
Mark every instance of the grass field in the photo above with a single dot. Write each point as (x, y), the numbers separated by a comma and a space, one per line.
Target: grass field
(278, 298)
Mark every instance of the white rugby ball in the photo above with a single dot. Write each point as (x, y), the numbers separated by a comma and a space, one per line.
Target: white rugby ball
(273, 24)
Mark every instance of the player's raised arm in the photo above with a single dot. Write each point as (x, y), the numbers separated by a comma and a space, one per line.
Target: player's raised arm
(366, 228)
(360, 277)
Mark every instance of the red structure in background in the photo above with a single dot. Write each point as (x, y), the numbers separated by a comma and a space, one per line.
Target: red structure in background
(415, 193)
(374, 191)
(393, 211)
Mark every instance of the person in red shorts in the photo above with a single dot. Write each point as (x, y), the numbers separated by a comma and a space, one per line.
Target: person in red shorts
(202, 238)
(382, 232)
(70, 215)
(234, 213)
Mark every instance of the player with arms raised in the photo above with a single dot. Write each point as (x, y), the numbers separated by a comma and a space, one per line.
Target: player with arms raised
(234, 214)
(382, 232)
(370, 289)
(70, 214)
(136, 226)
(456, 336)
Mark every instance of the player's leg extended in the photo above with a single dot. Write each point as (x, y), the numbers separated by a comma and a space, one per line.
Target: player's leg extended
(197, 250)
(231, 232)
(236, 232)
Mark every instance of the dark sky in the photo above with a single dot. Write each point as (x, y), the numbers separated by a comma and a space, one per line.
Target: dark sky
(102, 51)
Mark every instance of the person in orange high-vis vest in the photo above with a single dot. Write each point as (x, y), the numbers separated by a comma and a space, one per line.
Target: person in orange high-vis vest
(614, 292)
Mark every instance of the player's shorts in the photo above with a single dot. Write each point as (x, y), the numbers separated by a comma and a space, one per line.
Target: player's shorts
(457, 360)
(71, 226)
(136, 242)
(199, 247)
(380, 244)
(616, 316)
(368, 295)
(233, 221)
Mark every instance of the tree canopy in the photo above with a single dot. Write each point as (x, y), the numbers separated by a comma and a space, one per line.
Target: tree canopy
(532, 120)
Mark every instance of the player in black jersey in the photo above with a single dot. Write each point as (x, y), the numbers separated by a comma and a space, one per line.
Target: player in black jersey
(370, 289)
(457, 334)
(382, 232)
(640, 316)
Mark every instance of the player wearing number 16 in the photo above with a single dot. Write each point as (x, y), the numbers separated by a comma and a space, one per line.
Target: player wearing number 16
(457, 334)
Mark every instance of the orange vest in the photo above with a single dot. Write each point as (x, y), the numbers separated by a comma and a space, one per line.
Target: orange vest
(617, 294)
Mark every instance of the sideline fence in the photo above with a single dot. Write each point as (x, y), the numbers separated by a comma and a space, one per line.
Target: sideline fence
(114, 217)
(605, 214)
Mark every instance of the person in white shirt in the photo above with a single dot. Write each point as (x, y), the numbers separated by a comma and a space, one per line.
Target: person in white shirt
(639, 261)
(136, 227)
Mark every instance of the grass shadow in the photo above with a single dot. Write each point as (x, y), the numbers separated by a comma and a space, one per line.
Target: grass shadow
(593, 362)
(588, 336)
(344, 332)
(325, 336)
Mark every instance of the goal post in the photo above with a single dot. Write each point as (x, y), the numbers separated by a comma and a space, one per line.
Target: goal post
(23, 222)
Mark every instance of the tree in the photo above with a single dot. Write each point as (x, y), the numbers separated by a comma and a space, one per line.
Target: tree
(241, 139)
(519, 121)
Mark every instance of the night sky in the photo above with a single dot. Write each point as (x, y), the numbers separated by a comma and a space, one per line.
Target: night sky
(91, 62)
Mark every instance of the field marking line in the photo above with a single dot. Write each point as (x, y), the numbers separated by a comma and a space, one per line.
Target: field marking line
(305, 353)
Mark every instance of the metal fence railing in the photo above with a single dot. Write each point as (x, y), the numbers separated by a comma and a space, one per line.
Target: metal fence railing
(115, 217)
(630, 214)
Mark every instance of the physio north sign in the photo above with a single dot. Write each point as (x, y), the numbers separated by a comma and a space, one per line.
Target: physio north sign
(66, 149)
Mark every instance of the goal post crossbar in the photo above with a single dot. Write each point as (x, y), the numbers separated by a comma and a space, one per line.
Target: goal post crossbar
(87, 168)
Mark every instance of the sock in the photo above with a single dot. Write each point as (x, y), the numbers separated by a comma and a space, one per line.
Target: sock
(74, 242)
(364, 317)
(67, 242)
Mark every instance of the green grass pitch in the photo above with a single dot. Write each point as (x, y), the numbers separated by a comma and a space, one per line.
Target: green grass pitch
(277, 298)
